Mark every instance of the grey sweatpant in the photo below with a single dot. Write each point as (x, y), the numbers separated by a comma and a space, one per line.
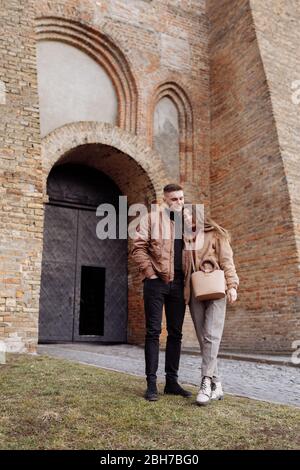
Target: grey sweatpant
(208, 318)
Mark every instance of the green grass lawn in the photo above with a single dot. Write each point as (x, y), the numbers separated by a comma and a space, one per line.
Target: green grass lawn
(48, 403)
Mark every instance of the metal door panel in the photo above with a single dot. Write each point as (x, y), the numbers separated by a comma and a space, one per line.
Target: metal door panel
(58, 274)
(112, 255)
(70, 242)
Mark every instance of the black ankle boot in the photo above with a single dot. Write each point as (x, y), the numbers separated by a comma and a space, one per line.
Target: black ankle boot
(173, 388)
(151, 394)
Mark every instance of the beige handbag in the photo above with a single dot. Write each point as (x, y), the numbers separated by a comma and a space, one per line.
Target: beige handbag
(208, 285)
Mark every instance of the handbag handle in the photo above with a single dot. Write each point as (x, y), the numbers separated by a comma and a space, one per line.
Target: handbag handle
(193, 263)
(212, 262)
(214, 265)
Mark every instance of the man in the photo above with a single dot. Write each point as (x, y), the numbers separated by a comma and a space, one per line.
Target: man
(159, 258)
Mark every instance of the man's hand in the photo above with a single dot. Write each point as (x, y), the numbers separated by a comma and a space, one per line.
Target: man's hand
(231, 295)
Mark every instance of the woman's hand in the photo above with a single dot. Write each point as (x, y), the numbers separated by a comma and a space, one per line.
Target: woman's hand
(231, 295)
(189, 227)
(188, 219)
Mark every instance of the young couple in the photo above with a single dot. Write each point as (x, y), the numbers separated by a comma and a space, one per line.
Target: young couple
(165, 264)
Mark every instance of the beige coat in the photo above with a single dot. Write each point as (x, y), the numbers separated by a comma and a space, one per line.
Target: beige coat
(218, 249)
(155, 256)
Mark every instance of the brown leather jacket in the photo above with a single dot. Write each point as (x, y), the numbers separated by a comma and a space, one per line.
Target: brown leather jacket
(155, 256)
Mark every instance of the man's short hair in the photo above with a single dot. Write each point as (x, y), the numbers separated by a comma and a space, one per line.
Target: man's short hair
(169, 188)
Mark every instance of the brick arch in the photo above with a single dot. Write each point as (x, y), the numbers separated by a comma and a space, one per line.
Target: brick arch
(123, 155)
(66, 138)
(182, 102)
(105, 52)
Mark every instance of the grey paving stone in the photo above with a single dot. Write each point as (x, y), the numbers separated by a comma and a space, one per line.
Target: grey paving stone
(269, 382)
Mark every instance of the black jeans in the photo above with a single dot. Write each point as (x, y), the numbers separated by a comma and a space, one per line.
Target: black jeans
(156, 294)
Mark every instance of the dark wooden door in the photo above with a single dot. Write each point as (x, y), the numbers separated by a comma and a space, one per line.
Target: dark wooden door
(58, 274)
(83, 293)
(112, 256)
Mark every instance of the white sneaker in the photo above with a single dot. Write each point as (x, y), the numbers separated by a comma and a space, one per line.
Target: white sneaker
(217, 391)
(203, 397)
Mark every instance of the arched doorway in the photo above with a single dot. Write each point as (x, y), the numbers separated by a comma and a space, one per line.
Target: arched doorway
(134, 167)
(84, 280)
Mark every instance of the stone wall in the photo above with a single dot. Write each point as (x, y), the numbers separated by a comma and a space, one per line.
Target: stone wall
(172, 61)
(228, 65)
(253, 178)
(21, 212)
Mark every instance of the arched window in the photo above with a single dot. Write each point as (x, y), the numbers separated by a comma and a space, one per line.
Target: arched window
(95, 66)
(171, 129)
(72, 87)
(166, 135)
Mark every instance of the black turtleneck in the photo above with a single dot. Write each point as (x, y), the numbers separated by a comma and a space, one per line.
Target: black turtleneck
(178, 241)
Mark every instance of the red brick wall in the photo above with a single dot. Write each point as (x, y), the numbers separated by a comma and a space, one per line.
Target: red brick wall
(174, 38)
(21, 214)
(278, 40)
(249, 182)
(224, 60)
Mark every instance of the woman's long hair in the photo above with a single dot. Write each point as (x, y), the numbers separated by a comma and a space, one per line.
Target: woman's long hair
(223, 232)
(209, 223)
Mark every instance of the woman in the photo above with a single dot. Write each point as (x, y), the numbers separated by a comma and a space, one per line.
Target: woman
(210, 242)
